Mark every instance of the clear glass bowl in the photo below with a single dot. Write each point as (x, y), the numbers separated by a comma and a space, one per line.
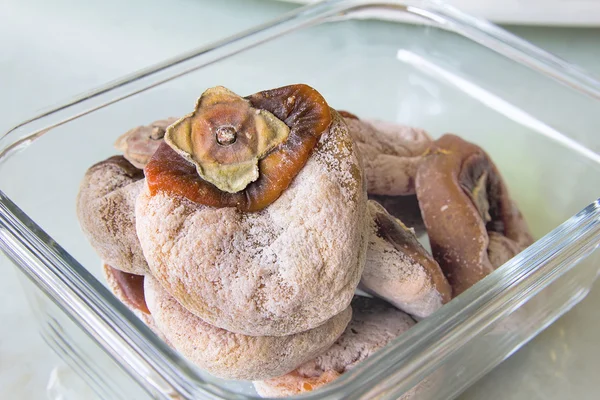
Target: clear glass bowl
(437, 69)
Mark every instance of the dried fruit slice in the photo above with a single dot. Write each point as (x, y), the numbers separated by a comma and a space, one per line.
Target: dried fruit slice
(398, 268)
(464, 200)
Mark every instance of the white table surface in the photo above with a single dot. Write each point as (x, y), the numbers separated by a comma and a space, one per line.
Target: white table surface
(50, 51)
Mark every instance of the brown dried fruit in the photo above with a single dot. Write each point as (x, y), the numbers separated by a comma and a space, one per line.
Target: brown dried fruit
(106, 213)
(373, 325)
(129, 289)
(398, 268)
(405, 208)
(464, 201)
(347, 114)
(279, 271)
(225, 137)
(300, 107)
(132, 288)
(139, 144)
(391, 154)
(501, 249)
(229, 355)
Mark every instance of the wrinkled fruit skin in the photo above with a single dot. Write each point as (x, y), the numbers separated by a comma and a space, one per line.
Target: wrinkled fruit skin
(105, 209)
(235, 356)
(300, 107)
(274, 272)
(140, 143)
(463, 199)
(391, 154)
(373, 325)
(398, 268)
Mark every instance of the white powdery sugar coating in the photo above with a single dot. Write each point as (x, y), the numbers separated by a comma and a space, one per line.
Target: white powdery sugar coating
(374, 324)
(139, 144)
(339, 157)
(414, 141)
(283, 270)
(391, 154)
(234, 356)
(106, 213)
(396, 277)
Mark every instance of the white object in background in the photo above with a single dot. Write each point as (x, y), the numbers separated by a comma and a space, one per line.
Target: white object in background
(534, 12)
(65, 384)
(526, 12)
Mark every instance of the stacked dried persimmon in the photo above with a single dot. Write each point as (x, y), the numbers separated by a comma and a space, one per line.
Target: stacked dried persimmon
(240, 232)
